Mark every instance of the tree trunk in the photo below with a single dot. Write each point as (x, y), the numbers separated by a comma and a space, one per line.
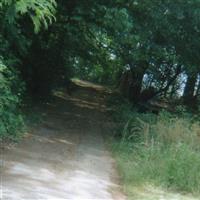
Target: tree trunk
(131, 84)
(135, 86)
(188, 95)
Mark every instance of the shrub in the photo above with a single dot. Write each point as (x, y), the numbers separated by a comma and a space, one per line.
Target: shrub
(11, 121)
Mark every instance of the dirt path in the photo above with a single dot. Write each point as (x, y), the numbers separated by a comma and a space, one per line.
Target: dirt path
(65, 157)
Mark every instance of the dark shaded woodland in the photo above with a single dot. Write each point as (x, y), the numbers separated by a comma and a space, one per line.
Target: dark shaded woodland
(148, 49)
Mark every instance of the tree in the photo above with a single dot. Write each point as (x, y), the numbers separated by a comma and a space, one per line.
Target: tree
(13, 44)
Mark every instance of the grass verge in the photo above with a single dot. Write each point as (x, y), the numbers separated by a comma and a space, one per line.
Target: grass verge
(157, 151)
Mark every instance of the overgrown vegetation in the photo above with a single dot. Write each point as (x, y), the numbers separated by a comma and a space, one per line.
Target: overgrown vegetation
(161, 150)
(13, 47)
(148, 50)
(11, 121)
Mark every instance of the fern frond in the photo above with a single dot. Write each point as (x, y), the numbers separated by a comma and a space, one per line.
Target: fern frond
(41, 12)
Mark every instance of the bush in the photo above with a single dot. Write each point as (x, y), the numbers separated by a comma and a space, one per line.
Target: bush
(11, 121)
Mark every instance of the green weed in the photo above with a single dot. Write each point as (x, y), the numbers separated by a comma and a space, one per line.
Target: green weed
(162, 150)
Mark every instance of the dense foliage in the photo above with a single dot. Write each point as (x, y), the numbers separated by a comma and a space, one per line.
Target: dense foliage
(146, 48)
(13, 46)
(10, 120)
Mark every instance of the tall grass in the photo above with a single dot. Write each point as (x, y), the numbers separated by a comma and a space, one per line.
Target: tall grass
(163, 150)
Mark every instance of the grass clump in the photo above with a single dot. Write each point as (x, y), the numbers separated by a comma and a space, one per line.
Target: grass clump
(163, 150)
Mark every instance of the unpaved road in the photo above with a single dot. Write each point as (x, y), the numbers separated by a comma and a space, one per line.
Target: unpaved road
(65, 156)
